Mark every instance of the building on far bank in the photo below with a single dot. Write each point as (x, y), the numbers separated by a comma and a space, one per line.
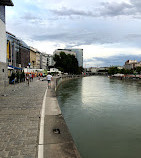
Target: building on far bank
(130, 64)
(3, 58)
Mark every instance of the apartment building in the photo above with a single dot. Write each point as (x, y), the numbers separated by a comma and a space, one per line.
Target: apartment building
(43, 61)
(130, 64)
(33, 57)
(38, 59)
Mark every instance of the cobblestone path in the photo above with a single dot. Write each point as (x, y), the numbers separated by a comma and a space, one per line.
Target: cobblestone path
(19, 119)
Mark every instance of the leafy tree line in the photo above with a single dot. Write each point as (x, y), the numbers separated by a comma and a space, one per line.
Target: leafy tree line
(115, 70)
(67, 63)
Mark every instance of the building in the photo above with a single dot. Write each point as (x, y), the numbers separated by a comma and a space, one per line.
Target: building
(3, 61)
(43, 61)
(38, 59)
(13, 46)
(50, 61)
(79, 56)
(130, 64)
(18, 52)
(33, 57)
(78, 53)
(66, 51)
(24, 54)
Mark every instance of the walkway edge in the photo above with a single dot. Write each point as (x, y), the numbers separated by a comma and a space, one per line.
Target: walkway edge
(41, 133)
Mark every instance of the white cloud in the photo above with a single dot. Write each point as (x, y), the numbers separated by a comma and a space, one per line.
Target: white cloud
(101, 29)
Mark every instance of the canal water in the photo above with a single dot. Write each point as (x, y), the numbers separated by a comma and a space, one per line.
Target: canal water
(103, 116)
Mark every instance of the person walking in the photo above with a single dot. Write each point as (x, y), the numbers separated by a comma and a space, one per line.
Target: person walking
(49, 78)
(27, 78)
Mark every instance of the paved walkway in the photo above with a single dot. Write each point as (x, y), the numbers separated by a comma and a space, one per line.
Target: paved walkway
(19, 119)
(56, 144)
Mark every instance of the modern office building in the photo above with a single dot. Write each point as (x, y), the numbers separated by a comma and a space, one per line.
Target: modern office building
(50, 61)
(66, 51)
(18, 52)
(79, 56)
(3, 61)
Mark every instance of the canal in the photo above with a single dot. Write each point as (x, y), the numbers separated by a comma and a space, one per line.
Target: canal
(103, 116)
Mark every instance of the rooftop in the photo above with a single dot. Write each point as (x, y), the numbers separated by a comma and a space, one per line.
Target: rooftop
(6, 2)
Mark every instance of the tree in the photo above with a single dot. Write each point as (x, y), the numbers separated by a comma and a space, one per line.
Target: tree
(138, 69)
(113, 70)
(67, 63)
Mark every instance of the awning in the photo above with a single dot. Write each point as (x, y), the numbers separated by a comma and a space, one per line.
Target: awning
(6, 2)
(17, 68)
(10, 68)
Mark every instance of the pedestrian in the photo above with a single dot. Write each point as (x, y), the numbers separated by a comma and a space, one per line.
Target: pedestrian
(30, 76)
(27, 78)
(49, 78)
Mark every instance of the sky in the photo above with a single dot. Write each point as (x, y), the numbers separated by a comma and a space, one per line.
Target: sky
(108, 31)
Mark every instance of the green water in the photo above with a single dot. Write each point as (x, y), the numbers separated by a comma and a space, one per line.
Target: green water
(103, 115)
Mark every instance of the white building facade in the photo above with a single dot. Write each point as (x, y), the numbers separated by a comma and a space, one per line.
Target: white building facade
(50, 61)
(3, 44)
(130, 64)
(43, 61)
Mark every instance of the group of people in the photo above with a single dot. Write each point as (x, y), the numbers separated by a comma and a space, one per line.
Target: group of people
(29, 77)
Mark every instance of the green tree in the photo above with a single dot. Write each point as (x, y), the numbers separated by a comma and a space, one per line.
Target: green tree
(113, 70)
(67, 63)
(138, 69)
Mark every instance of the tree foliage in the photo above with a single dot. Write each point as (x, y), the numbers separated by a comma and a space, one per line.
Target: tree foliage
(67, 63)
(138, 69)
(114, 70)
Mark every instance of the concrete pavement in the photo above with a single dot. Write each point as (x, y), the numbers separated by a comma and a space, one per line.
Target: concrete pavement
(57, 144)
(22, 123)
(19, 119)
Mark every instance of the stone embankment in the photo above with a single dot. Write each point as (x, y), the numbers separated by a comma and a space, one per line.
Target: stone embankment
(31, 123)
(58, 142)
(126, 77)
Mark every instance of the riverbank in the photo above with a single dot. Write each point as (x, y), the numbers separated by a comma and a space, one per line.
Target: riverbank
(126, 77)
(58, 141)
(32, 124)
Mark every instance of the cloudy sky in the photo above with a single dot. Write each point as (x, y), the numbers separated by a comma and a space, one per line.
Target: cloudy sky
(108, 31)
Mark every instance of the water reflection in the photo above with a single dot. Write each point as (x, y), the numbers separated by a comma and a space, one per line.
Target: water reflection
(103, 116)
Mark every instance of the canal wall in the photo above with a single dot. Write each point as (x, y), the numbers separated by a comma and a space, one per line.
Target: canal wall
(61, 79)
(58, 141)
